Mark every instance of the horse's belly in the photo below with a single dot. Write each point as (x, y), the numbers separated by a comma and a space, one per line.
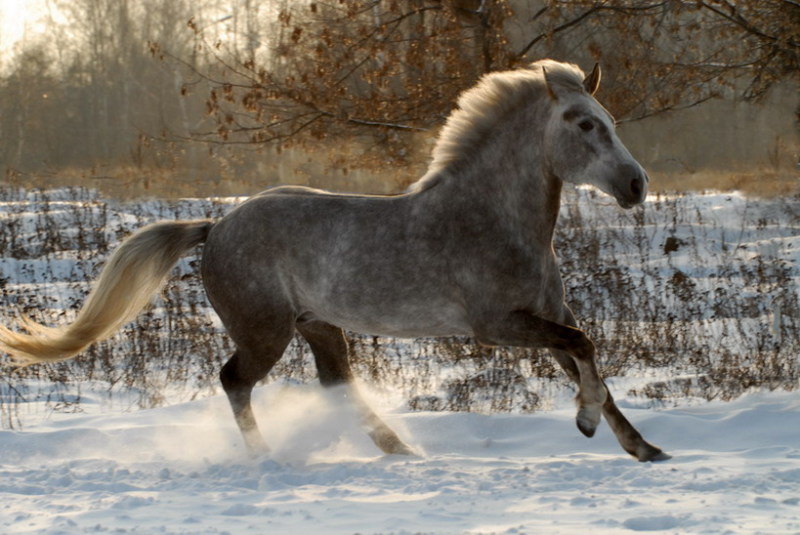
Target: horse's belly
(407, 331)
(401, 321)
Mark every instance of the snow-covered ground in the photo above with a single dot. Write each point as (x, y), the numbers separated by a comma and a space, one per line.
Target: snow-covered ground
(181, 469)
(695, 297)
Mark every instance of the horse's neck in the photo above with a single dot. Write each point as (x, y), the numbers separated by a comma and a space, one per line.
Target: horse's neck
(520, 195)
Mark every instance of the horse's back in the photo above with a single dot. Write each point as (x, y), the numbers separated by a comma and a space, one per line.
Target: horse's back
(365, 263)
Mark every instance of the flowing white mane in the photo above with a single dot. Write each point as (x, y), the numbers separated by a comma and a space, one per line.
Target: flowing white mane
(480, 107)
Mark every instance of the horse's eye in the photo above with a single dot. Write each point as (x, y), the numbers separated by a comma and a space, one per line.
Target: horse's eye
(586, 125)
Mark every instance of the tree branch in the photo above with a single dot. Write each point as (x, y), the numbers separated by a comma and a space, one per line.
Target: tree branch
(555, 30)
(597, 7)
(736, 18)
(665, 109)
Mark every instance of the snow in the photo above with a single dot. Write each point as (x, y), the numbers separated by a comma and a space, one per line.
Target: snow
(182, 469)
(91, 456)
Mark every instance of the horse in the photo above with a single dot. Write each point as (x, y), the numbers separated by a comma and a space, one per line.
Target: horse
(467, 250)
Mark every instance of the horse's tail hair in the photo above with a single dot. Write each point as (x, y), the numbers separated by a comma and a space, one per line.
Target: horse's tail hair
(135, 271)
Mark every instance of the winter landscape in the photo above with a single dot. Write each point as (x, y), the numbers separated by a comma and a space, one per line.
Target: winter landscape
(118, 113)
(692, 301)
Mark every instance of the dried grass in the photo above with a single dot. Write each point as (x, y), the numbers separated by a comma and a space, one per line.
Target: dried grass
(757, 183)
(329, 170)
(641, 313)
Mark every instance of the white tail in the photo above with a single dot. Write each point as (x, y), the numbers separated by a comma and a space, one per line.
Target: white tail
(134, 272)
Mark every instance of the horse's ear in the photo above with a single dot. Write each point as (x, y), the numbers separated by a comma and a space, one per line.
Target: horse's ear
(549, 85)
(592, 82)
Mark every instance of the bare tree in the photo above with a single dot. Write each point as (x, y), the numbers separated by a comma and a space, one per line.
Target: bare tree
(88, 90)
(668, 54)
(29, 92)
(375, 71)
(358, 68)
(381, 69)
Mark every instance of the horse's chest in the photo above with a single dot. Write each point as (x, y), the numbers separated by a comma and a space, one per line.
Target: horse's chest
(514, 264)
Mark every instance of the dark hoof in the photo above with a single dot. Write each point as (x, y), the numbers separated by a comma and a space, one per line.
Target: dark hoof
(586, 428)
(649, 453)
(587, 421)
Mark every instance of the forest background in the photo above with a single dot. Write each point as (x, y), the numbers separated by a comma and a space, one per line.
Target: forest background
(214, 97)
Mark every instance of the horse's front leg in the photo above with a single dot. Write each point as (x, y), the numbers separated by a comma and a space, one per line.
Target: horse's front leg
(629, 438)
(523, 329)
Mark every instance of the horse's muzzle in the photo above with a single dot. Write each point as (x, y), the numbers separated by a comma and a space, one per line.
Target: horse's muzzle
(632, 185)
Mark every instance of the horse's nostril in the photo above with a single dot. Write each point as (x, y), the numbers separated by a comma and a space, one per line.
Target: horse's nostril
(636, 187)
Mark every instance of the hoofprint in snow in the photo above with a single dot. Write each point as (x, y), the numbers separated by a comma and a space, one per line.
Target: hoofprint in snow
(182, 469)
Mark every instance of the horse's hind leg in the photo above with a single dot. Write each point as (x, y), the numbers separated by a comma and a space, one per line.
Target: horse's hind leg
(330, 354)
(249, 364)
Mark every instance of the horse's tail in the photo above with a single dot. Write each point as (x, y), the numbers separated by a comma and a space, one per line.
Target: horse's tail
(135, 271)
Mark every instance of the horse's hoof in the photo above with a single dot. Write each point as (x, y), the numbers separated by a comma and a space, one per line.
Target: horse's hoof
(585, 429)
(649, 453)
(587, 421)
(401, 449)
(255, 446)
(258, 453)
(390, 444)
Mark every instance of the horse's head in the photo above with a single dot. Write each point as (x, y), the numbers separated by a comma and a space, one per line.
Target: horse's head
(581, 145)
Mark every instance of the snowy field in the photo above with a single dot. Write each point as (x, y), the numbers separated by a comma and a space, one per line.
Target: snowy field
(693, 299)
(181, 470)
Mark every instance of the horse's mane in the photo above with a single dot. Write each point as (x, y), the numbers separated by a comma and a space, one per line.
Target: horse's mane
(479, 108)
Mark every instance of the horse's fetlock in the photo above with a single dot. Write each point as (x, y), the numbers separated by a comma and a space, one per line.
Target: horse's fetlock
(255, 443)
(591, 398)
(602, 395)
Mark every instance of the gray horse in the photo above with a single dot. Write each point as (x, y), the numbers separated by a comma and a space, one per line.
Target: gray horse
(467, 251)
